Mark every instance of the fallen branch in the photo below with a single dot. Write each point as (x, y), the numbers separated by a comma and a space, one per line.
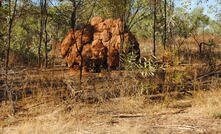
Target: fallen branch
(185, 127)
(212, 73)
(128, 115)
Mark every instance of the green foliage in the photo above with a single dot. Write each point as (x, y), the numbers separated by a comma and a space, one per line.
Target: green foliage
(137, 14)
(198, 19)
(3, 23)
(144, 28)
(130, 11)
(59, 21)
(113, 8)
(181, 22)
(148, 67)
(211, 44)
(215, 27)
(186, 23)
(178, 77)
(217, 115)
(128, 61)
(148, 87)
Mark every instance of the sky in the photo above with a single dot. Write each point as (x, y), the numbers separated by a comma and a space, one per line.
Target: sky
(191, 4)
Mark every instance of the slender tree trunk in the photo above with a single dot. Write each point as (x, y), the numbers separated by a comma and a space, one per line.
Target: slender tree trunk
(0, 18)
(200, 47)
(73, 14)
(11, 20)
(79, 48)
(154, 27)
(57, 33)
(9, 38)
(203, 33)
(46, 33)
(9, 44)
(122, 41)
(171, 13)
(165, 24)
(40, 34)
(198, 43)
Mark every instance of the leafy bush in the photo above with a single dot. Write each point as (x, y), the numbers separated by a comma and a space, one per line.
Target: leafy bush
(128, 61)
(148, 67)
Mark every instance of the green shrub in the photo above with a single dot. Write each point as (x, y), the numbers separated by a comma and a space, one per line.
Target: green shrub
(217, 115)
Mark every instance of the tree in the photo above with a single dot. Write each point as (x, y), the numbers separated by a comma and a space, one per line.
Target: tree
(165, 24)
(130, 12)
(58, 21)
(75, 5)
(154, 26)
(11, 20)
(40, 31)
(170, 22)
(46, 33)
(1, 20)
(181, 26)
(198, 20)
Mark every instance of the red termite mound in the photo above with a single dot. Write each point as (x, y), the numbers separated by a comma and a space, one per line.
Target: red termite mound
(98, 44)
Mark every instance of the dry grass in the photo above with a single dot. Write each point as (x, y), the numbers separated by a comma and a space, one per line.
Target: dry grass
(207, 103)
(51, 101)
(100, 118)
(82, 117)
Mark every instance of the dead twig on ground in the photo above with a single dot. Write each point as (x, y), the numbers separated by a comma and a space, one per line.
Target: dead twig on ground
(128, 115)
(182, 127)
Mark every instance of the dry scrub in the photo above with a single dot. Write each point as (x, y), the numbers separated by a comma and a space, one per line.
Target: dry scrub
(124, 114)
(183, 96)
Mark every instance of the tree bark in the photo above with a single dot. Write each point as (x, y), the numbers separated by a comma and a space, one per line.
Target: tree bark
(0, 18)
(154, 27)
(73, 14)
(171, 8)
(40, 33)
(165, 24)
(46, 33)
(11, 20)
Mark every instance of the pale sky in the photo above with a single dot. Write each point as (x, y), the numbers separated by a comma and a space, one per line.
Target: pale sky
(209, 6)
